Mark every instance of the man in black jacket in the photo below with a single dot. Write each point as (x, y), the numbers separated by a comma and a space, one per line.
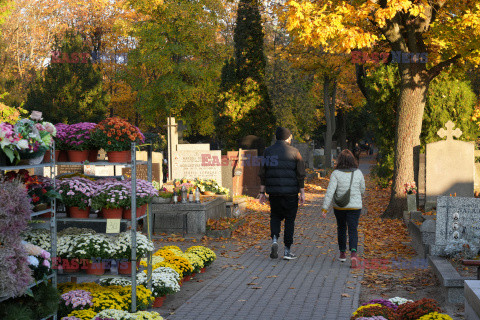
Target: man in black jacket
(282, 176)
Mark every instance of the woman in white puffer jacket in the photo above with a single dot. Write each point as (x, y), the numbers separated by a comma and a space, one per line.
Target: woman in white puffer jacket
(347, 216)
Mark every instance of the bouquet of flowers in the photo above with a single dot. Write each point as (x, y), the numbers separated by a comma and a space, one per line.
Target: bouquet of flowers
(116, 134)
(42, 191)
(35, 136)
(111, 194)
(410, 188)
(78, 136)
(123, 245)
(38, 260)
(74, 300)
(10, 141)
(210, 185)
(76, 192)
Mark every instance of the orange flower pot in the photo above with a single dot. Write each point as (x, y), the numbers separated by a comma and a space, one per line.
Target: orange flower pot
(77, 155)
(92, 155)
(62, 156)
(125, 267)
(76, 212)
(119, 156)
(112, 213)
(127, 213)
(203, 270)
(97, 268)
(46, 157)
(159, 301)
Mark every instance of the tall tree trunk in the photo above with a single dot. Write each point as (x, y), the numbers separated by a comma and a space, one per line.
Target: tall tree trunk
(413, 91)
(342, 128)
(329, 100)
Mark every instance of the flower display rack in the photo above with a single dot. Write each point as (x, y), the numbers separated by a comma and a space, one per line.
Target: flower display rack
(35, 215)
(148, 217)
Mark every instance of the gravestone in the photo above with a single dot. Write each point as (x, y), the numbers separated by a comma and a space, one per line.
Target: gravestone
(449, 166)
(253, 142)
(457, 218)
(245, 171)
(191, 160)
(305, 152)
(204, 164)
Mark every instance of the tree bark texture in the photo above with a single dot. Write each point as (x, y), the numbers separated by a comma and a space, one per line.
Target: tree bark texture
(413, 93)
(329, 95)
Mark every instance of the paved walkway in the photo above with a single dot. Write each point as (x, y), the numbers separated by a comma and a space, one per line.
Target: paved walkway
(315, 286)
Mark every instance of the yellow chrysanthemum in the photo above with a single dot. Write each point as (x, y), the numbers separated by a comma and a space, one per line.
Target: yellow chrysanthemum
(365, 307)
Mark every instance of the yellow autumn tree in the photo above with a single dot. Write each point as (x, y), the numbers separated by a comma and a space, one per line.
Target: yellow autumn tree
(447, 32)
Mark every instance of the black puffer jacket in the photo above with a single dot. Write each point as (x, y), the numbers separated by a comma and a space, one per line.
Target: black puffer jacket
(283, 171)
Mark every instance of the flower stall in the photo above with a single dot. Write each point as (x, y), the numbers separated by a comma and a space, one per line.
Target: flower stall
(38, 256)
(23, 142)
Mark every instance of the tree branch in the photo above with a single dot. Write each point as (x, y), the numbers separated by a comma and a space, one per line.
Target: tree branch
(436, 70)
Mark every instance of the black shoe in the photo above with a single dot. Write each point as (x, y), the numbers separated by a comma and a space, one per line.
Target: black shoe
(274, 252)
(288, 255)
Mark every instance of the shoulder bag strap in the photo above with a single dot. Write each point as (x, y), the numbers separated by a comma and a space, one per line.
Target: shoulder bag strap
(351, 180)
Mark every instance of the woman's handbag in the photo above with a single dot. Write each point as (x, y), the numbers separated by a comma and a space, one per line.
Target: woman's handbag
(343, 200)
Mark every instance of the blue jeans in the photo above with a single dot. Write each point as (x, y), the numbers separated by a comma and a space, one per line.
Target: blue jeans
(347, 219)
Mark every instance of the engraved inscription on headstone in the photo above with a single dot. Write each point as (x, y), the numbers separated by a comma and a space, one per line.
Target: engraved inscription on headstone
(457, 218)
(190, 164)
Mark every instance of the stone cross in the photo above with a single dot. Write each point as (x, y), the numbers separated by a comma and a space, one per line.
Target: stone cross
(449, 133)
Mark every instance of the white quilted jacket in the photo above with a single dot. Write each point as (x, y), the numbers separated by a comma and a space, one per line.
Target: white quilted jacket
(342, 180)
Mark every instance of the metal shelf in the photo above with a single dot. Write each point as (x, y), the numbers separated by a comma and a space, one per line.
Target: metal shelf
(36, 283)
(108, 274)
(53, 315)
(101, 163)
(37, 213)
(27, 166)
(95, 219)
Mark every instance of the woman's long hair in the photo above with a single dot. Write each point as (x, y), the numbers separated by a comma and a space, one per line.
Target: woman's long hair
(346, 161)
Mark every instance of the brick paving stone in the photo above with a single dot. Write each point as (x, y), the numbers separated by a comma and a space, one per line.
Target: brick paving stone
(310, 287)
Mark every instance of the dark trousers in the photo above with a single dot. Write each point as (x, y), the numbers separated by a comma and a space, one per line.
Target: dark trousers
(283, 207)
(347, 219)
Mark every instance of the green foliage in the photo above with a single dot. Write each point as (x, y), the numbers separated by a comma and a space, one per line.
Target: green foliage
(449, 99)
(69, 92)
(175, 67)
(44, 302)
(248, 36)
(245, 107)
(383, 85)
(294, 104)
(12, 311)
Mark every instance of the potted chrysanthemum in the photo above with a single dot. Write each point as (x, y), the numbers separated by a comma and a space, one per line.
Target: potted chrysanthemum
(115, 136)
(78, 141)
(123, 250)
(111, 197)
(76, 194)
(93, 248)
(145, 192)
